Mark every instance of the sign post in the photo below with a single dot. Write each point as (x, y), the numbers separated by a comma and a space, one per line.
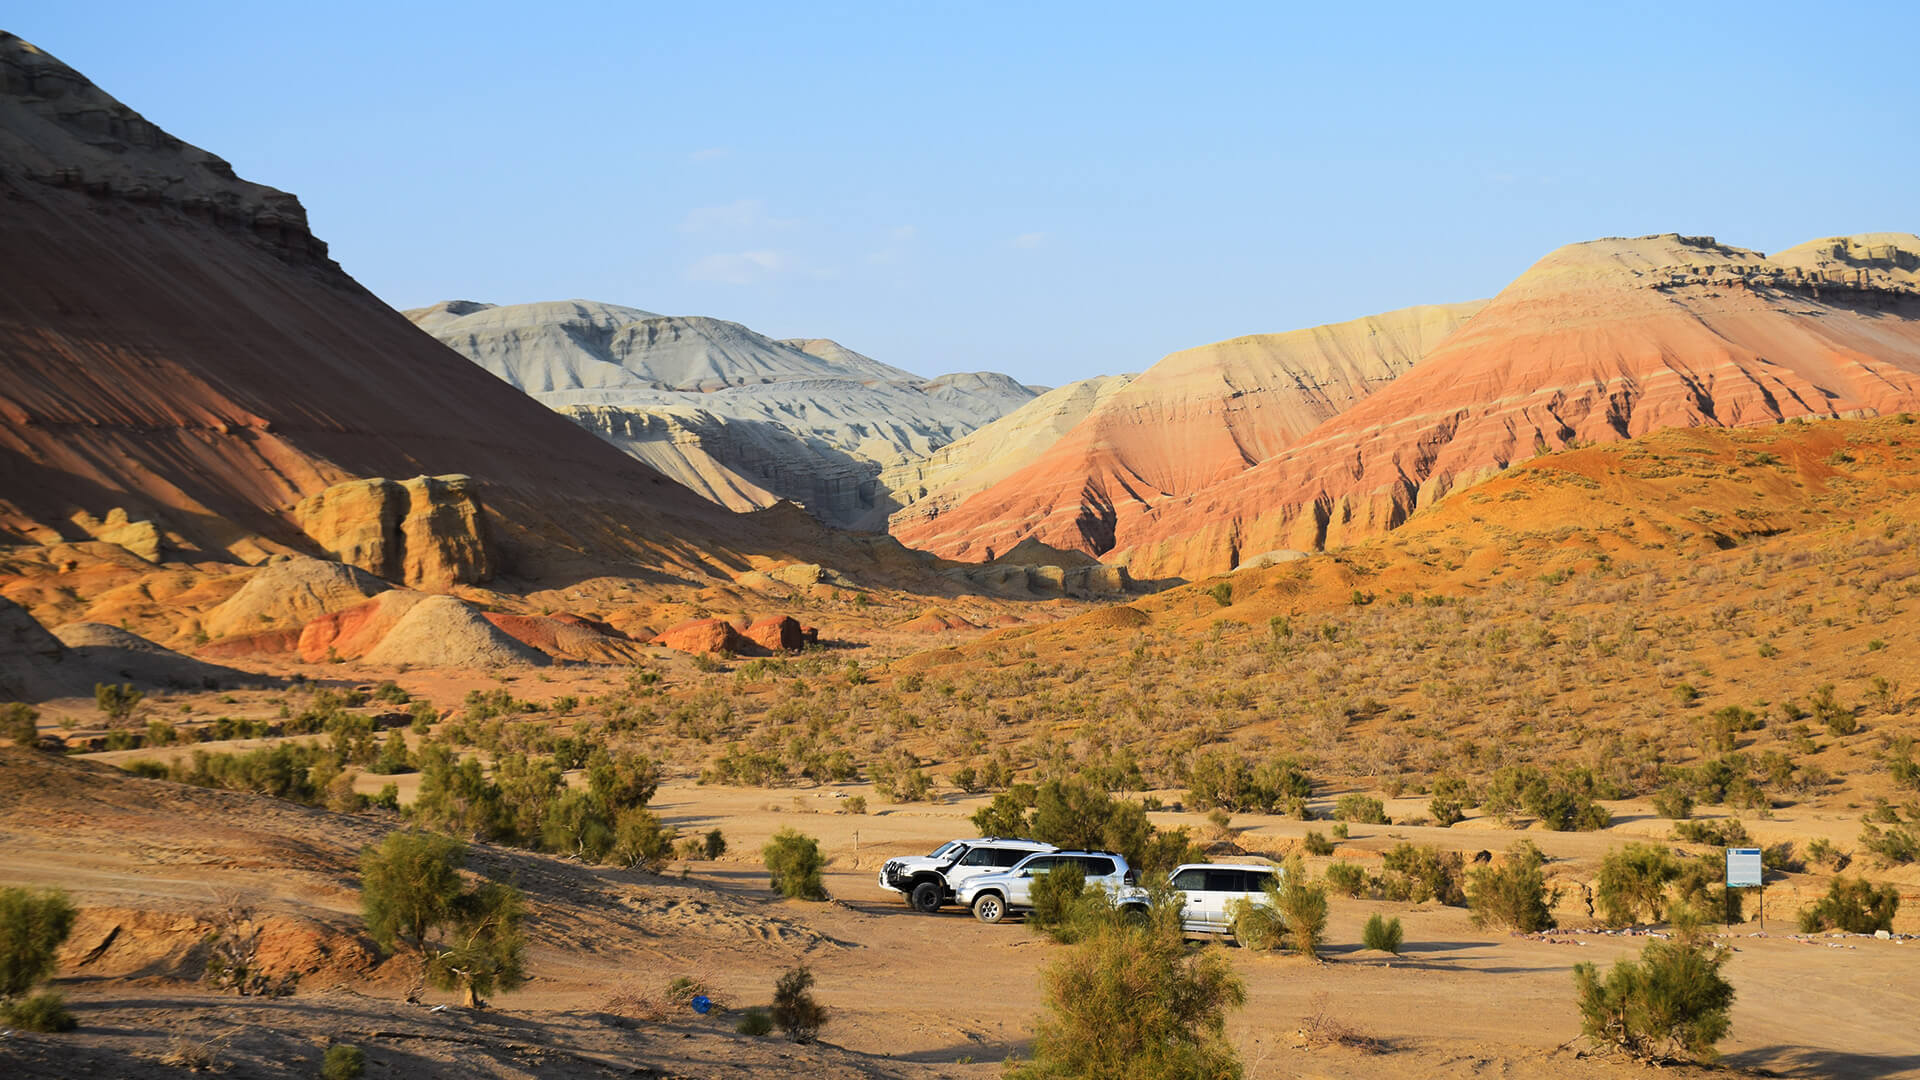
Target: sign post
(1744, 871)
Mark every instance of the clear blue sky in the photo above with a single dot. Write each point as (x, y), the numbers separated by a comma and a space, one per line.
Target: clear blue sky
(1050, 190)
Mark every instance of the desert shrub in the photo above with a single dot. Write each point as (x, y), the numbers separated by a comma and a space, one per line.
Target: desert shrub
(1422, 872)
(409, 886)
(1726, 832)
(394, 757)
(1076, 814)
(1893, 846)
(1225, 779)
(1133, 1003)
(967, 779)
(1346, 878)
(117, 702)
(44, 1011)
(32, 926)
(1449, 802)
(1317, 843)
(1633, 881)
(1054, 896)
(1259, 926)
(715, 843)
(1822, 851)
(484, 952)
(1672, 1000)
(1303, 905)
(1382, 934)
(1222, 593)
(793, 863)
(343, 1062)
(856, 804)
(1673, 801)
(573, 825)
(1364, 809)
(794, 1010)
(1827, 709)
(639, 839)
(19, 722)
(1562, 801)
(755, 1021)
(1854, 905)
(1513, 893)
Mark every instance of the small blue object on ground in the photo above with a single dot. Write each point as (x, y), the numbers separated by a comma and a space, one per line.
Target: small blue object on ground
(701, 1003)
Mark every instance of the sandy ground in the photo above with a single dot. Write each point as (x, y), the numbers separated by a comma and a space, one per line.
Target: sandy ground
(912, 995)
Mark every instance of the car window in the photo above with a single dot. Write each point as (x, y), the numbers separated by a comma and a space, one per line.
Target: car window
(981, 857)
(1190, 880)
(1007, 856)
(1039, 864)
(1096, 867)
(1258, 880)
(1225, 880)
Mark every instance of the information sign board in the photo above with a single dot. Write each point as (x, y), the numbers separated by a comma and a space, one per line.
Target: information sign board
(1743, 867)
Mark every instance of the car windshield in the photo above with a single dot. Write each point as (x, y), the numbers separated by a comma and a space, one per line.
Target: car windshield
(950, 849)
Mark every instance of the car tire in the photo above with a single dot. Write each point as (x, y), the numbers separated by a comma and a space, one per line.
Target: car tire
(989, 908)
(1133, 915)
(926, 897)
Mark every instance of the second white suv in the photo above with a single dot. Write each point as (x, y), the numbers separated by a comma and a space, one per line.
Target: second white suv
(995, 896)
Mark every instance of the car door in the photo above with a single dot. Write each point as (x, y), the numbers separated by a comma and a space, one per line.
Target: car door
(1020, 888)
(1192, 883)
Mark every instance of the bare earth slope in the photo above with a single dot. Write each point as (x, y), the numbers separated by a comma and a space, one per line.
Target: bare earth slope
(1195, 418)
(177, 342)
(733, 415)
(1597, 342)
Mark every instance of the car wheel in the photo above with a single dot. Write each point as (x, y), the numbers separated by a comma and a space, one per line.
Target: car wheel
(989, 908)
(926, 897)
(1133, 915)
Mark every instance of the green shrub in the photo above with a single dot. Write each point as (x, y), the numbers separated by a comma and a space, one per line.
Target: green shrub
(1893, 846)
(639, 839)
(19, 723)
(117, 702)
(1839, 719)
(1633, 881)
(1672, 1000)
(1727, 832)
(1054, 896)
(755, 1022)
(1673, 801)
(1317, 843)
(1354, 807)
(794, 1010)
(1304, 907)
(1702, 886)
(1423, 872)
(1449, 802)
(1132, 1002)
(1222, 593)
(1513, 893)
(486, 950)
(1346, 878)
(1224, 778)
(1854, 905)
(343, 1062)
(44, 1011)
(793, 863)
(411, 887)
(715, 843)
(1382, 934)
(32, 926)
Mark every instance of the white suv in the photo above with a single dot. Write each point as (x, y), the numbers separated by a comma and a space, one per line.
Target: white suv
(1212, 889)
(928, 881)
(994, 896)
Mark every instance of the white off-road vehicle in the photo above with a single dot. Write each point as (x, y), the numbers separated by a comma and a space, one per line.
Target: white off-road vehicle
(1214, 891)
(930, 881)
(995, 896)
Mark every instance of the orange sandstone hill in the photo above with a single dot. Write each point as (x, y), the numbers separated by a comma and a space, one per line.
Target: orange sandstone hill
(1599, 341)
(181, 354)
(1194, 419)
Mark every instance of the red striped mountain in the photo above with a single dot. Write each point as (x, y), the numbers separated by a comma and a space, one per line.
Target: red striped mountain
(1599, 341)
(1194, 419)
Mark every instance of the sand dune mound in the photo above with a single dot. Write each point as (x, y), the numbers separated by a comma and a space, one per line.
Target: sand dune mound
(352, 633)
(579, 640)
(443, 632)
(290, 594)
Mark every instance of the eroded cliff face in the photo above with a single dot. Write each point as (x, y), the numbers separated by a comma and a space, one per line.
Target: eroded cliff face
(428, 533)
